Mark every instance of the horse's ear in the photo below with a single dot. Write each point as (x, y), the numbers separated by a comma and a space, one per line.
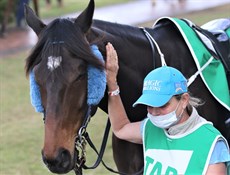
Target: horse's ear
(84, 20)
(32, 20)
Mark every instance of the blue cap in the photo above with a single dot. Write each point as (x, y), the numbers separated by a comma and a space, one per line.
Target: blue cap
(160, 85)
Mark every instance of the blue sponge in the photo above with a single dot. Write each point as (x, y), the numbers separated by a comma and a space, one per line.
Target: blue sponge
(35, 96)
(96, 80)
(96, 85)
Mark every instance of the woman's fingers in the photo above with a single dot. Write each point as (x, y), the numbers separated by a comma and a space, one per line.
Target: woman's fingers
(111, 63)
(112, 58)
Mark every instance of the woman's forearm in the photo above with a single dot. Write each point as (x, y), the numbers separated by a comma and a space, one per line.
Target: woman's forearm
(117, 115)
(120, 123)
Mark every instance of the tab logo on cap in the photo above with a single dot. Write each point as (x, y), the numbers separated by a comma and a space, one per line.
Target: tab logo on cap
(180, 87)
(154, 85)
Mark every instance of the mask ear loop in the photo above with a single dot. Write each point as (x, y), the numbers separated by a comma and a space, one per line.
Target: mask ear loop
(179, 117)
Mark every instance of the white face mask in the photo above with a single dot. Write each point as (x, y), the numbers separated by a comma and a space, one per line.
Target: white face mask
(165, 121)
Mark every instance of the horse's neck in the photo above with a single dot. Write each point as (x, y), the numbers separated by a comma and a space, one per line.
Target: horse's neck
(131, 43)
(135, 60)
(136, 57)
(123, 37)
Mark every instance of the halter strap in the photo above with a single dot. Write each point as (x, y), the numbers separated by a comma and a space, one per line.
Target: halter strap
(198, 72)
(80, 144)
(152, 43)
(57, 42)
(86, 121)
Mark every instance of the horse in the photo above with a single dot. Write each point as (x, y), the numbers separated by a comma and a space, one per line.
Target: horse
(59, 62)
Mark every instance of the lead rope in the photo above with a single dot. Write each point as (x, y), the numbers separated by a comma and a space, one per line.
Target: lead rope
(80, 144)
(100, 154)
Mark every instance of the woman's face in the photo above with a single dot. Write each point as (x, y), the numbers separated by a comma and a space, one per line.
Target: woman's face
(170, 106)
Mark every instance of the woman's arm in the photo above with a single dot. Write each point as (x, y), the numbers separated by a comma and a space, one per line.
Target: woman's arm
(120, 123)
(217, 169)
(219, 158)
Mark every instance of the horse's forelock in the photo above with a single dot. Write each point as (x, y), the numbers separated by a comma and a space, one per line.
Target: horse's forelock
(58, 34)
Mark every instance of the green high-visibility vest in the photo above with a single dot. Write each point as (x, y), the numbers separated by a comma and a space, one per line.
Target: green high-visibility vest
(187, 154)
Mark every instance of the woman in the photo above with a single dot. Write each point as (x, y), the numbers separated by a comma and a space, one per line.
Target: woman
(176, 140)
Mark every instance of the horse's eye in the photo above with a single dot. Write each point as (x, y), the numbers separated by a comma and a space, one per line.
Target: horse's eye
(80, 77)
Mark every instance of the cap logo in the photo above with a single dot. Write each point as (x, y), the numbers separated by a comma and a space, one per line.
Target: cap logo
(179, 87)
(154, 85)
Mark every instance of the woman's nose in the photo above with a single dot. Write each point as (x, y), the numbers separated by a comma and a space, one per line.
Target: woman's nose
(153, 110)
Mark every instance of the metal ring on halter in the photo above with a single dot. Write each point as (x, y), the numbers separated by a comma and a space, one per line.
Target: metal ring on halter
(81, 132)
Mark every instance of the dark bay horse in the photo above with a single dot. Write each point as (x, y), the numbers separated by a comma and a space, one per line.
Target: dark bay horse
(64, 88)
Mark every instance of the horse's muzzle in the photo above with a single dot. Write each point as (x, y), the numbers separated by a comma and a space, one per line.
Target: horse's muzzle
(61, 163)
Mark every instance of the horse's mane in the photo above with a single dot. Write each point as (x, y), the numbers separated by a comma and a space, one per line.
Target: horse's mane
(121, 30)
(58, 35)
(127, 31)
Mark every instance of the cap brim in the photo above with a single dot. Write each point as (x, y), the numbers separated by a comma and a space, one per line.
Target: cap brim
(153, 100)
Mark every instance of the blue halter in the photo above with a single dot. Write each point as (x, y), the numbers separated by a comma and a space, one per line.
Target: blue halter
(96, 85)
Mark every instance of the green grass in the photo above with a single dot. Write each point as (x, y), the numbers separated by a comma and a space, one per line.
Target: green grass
(21, 132)
(21, 129)
(201, 17)
(70, 6)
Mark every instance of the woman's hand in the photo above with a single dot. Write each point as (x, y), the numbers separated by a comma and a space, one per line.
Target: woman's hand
(112, 67)
(120, 123)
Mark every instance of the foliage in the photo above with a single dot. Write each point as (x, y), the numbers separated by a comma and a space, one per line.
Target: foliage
(2, 8)
(70, 6)
(202, 17)
(3, 5)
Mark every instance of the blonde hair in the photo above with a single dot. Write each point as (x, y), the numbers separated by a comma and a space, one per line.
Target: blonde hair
(193, 102)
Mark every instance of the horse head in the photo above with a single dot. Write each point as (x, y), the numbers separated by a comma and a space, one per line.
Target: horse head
(59, 63)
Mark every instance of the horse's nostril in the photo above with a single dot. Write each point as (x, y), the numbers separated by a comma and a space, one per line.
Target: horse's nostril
(61, 163)
(65, 158)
